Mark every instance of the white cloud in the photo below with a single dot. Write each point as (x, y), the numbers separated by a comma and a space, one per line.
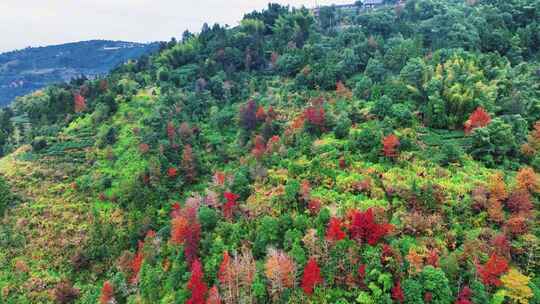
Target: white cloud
(43, 22)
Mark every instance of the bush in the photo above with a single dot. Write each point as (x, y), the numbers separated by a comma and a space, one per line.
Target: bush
(342, 127)
(39, 144)
(6, 197)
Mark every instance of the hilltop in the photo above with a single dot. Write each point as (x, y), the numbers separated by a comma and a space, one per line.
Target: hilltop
(30, 69)
(389, 156)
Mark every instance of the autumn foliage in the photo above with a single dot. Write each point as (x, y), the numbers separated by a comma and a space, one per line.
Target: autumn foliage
(492, 270)
(136, 263)
(365, 229)
(213, 296)
(186, 230)
(311, 276)
(196, 284)
(464, 296)
(334, 231)
(236, 276)
(478, 119)
(188, 164)
(527, 179)
(397, 293)
(229, 204)
(280, 271)
(107, 293)
(79, 103)
(315, 115)
(390, 144)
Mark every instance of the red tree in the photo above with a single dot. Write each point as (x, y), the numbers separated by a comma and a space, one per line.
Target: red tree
(196, 284)
(492, 270)
(362, 274)
(107, 293)
(188, 164)
(364, 228)
(315, 116)
(179, 227)
(260, 115)
(213, 296)
(464, 296)
(223, 275)
(390, 144)
(186, 230)
(432, 258)
(334, 232)
(230, 204)
(79, 103)
(259, 147)
(311, 277)
(314, 206)
(171, 131)
(136, 263)
(519, 201)
(172, 172)
(193, 236)
(144, 148)
(397, 293)
(478, 119)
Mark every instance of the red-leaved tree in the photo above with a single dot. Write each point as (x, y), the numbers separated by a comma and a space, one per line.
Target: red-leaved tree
(229, 205)
(311, 276)
(390, 144)
(365, 229)
(464, 296)
(397, 293)
(79, 103)
(213, 296)
(492, 270)
(259, 147)
(196, 284)
(315, 116)
(478, 119)
(188, 164)
(186, 230)
(261, 114)
(107, 293)
(136, 263)
(362, 274)
(172, 172)
(334, 231)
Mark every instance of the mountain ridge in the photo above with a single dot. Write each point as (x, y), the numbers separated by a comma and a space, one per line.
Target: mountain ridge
(29, 69)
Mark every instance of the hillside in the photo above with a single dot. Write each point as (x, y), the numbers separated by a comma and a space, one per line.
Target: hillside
(389, 156)
(27, 70)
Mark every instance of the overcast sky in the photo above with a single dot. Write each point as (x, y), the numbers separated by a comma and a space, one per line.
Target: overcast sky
(43, 22)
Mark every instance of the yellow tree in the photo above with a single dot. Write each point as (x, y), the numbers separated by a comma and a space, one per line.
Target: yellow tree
(517, 286)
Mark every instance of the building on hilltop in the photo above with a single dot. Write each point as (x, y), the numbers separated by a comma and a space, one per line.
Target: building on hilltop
(370, 4)
(359, 6)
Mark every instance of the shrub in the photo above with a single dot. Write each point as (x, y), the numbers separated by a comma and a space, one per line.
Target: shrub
(341, 130)
(311, 276)
(6, 197)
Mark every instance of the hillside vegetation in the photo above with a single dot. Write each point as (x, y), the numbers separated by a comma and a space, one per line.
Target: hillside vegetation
(24, 71)
(382, 157)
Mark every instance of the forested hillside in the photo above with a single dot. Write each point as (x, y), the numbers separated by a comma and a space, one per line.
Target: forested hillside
(30, 69)
(385, 156)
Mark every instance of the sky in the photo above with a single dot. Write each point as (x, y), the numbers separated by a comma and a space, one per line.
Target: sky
(26, 23)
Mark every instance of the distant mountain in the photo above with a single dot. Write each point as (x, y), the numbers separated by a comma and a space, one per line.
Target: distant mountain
(24, 71)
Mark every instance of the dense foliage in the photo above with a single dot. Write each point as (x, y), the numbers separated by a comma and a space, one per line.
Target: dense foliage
(361, 156)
